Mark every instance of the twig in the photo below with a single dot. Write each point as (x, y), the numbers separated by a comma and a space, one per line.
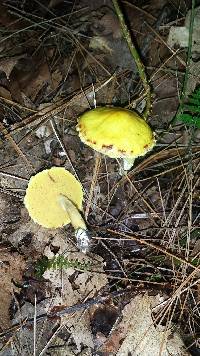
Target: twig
(60, 105)
(13, 103)
(174, 52)
(93, 183)
(189, 52)
(34, 327)
(13, 176)
(125, 237)
(135, 55)
(140, 10)
(160, 155)
(55, 131)
(7, 136)
(187, 69)
(61, 311)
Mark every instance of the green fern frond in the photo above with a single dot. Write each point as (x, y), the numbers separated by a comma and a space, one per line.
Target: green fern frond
(190, 111)
(189, 120)
(59, 262)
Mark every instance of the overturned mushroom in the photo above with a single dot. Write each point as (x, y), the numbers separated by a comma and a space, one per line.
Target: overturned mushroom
(54, 199)
(117, 133)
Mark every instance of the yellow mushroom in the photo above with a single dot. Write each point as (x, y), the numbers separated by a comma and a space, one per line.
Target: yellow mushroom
(117, 133)
(54, 199)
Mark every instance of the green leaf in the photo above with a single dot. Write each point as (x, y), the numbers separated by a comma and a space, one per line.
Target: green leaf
(194, 100)
(59, 262)
(189, 120)
(190, 110)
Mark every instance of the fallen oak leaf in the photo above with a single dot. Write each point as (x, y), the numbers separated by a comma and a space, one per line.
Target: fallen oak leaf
(7, 64)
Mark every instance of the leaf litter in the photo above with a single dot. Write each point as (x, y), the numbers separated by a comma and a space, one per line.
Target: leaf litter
(137, 334)
(54, 65)
(12, 266)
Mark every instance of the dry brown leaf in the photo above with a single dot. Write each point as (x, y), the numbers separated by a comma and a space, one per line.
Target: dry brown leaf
(85, 285)
(100, 43)
(138, 336)
(4, 93)
(16, 92)
(110, 25)
(56, 78)
(7, 65)
(38, 80)
(54, 3)
(40, 237)
(11, 269)
(6, 19)
(24, 338)
(196, 249)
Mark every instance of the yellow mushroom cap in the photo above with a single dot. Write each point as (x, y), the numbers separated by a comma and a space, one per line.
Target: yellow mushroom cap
(116, 132)
(43, 193)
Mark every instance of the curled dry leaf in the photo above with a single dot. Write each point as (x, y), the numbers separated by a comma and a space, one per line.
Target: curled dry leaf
(110, 25)
(7, 65)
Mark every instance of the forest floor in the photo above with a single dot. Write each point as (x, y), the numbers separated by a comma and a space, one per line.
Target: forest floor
(136, 292)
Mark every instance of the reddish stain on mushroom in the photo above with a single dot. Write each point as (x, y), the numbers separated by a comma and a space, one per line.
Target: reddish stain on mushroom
(109, 147)
(146, 146)
(93, 142)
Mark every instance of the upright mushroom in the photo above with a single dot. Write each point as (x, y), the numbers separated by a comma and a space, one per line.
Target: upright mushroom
(54, 199)
(117, 133)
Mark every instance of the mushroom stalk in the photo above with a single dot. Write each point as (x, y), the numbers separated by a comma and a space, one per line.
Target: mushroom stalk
(128, 163)
(77, 222)
(74, 215)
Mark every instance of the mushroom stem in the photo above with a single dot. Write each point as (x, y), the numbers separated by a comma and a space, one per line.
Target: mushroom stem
(77, 222)
(74, 215)
(128, 163)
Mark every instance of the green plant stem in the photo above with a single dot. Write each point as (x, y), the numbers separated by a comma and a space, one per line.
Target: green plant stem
(135, 55)
(189, 53)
